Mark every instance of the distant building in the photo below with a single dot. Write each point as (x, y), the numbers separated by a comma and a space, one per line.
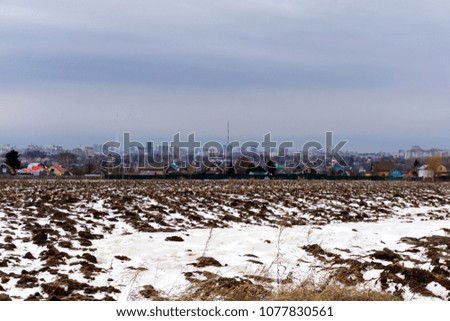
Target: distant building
(258, 171)
(381, 168)
(243, 165)
(281, 169)
(339, 171)
(149, 148)
(441, 171)
(424, 173)
(34, 169)
(57, 170)
(78, 152)
(6, 148)
(213, 168)
(418, 152)
(395, 173)
(309, 171)
(48, 149)
(414, 152)
(152, 171)
(89, 151)
(97, 148)
(298, 170)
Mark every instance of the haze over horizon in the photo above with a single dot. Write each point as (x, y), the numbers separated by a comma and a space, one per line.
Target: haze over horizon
(374, 73)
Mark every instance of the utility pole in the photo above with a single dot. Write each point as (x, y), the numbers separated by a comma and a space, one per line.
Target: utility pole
(227, 158)
(228, 133)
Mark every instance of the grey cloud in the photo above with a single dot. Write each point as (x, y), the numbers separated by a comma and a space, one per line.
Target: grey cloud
(353, 66)
(253, 43)
(185, 71)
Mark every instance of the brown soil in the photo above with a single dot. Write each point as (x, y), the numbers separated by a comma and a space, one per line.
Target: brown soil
(416, 279)
(40, 237)
(122, 258)
(206, 261)
(27, 281)
(53, 256)
(4, 297)
(72, 223)
(89, 257)
(29, 256)
(319, 253)
(67, 289)
(228, 289)
(174, 239)
(386, 255)
(149, 292)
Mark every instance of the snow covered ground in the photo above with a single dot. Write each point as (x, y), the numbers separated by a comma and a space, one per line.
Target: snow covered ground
(274, 253)
(113, 240)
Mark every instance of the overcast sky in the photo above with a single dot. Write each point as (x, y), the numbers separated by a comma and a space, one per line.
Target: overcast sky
(374, 72)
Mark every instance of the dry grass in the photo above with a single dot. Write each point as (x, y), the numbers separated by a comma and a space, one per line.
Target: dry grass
(225, 289)
(332, 293)
(230, 289)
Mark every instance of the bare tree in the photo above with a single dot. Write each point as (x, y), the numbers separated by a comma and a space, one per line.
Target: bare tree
(67, 159)
(433, 165)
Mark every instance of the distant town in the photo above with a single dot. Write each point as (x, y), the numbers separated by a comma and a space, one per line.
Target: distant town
(54, 160)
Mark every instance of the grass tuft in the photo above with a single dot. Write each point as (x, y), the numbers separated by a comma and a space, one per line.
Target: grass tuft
(234, 289)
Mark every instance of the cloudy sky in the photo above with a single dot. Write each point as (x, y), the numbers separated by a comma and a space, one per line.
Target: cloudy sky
(374, 72)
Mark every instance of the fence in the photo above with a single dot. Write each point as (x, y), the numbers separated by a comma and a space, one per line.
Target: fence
(242, 177)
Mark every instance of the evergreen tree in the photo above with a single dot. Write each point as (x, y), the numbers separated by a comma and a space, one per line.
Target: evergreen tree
(271, 167)
(12, 159)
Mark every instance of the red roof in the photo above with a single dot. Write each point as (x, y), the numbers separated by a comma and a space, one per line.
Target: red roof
(59, 168)
(33, 169)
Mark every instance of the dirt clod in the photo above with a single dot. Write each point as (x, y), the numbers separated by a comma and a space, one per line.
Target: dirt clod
(174, 239)
(149, 292)
(386, 255)
(29, 256)
(89, 257)
(206, 261)
(4, 297)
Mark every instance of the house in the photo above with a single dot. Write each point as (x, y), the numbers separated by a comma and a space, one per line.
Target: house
(5, 169)
(156, 169)
(172, 169)
(258, 171)
(176, 168)
(297, 170)
(395, 173)
(410, 176)
(281, 169)
(213, 168)
(57, 170)
(151, 171)
(309, 171)
(339, 171)
(381, 168)
(244, 165)
(228, 167)
(34, 169)
(441, 171)
(424, 173)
